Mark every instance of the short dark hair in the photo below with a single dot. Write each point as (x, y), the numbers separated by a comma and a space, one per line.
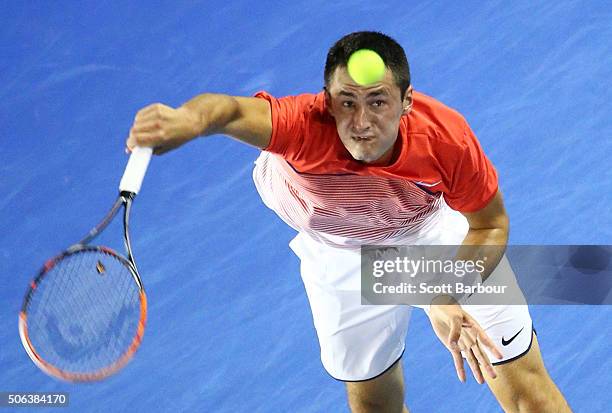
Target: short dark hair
(389, 50)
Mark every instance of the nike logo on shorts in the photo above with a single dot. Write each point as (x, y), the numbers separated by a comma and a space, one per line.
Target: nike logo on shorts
(506, 342)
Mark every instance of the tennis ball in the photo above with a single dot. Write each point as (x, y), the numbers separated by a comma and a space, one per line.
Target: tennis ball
(365, 67)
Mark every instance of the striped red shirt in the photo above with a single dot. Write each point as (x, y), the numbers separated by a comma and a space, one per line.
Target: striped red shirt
(310, 180)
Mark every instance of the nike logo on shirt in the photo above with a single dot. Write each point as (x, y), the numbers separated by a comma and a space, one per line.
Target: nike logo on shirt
(426, 184)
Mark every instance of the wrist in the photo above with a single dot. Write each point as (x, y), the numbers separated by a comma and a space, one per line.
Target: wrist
(457, 296)
(194, 121)
(443, 299)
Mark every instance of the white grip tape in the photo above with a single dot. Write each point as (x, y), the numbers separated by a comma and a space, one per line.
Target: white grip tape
(135, 169)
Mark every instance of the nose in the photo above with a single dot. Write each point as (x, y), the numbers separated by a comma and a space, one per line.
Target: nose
(361, 120)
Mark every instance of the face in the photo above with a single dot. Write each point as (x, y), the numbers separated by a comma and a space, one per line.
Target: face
(367, 117)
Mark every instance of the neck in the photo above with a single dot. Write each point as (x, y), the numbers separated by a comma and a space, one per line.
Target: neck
(389, 156)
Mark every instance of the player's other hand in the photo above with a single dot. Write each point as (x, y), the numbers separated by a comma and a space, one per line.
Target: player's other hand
(163, 128)
(458, 331)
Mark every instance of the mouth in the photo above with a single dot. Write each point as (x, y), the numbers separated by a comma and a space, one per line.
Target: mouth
(362, 138)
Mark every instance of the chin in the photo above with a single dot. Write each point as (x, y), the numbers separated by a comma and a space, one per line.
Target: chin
(363, 157)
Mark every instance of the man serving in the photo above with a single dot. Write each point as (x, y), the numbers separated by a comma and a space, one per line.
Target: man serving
(368, 160)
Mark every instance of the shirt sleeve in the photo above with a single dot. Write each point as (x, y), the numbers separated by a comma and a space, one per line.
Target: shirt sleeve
(474, 181)
(289, 122)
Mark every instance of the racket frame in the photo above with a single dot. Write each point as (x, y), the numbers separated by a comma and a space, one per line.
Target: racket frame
(124, 200)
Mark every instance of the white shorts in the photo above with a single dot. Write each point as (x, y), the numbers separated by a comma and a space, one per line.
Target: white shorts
(360, 342)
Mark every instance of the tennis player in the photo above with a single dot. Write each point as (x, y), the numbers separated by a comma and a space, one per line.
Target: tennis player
(375, 164)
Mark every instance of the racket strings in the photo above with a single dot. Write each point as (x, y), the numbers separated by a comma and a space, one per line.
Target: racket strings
(93, 320)
(68, 270)
(85, 312)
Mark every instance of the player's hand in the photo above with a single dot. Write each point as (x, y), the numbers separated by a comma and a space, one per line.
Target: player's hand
(458, 331)
(163, 128)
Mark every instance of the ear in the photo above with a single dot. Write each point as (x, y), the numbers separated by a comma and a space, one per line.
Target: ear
(328, 104)
(407, 101)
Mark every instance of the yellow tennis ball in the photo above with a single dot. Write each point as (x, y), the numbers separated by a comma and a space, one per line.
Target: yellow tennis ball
(365, 67)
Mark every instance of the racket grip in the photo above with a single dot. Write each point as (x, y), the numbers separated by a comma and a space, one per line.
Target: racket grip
(135, 169)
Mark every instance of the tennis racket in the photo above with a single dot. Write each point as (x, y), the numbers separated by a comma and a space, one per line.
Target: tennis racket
(83, 316)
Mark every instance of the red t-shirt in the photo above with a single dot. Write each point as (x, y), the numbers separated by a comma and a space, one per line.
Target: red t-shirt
(435, 149)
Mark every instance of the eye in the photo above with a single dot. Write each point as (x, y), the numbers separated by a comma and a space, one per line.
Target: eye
(378, 103)
(347, 104)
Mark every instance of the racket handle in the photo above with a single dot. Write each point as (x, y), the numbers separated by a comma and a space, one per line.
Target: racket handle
(135, 169)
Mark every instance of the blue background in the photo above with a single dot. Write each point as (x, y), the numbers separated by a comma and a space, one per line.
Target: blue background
(229, 324)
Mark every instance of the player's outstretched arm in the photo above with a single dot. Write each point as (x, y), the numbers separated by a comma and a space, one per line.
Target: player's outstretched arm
(455, 328)
(165, 128)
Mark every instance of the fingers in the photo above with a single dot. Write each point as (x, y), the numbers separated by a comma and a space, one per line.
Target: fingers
(483, 359)
(146, 137)
(458, 361)
(469, 346)
(476, 357)
(156, 110)
(139, 138)
(453, 346)
(455, 332)
(471, 340)
(460, 332)
(147, 129)
(484, 337)
(473, 363)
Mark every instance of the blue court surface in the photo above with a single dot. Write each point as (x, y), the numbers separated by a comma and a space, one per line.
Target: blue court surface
(229, 327)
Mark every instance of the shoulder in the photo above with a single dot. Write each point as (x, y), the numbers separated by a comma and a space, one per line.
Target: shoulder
(435, 133)
(298, 121)
(312, 103)
(438, 122)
